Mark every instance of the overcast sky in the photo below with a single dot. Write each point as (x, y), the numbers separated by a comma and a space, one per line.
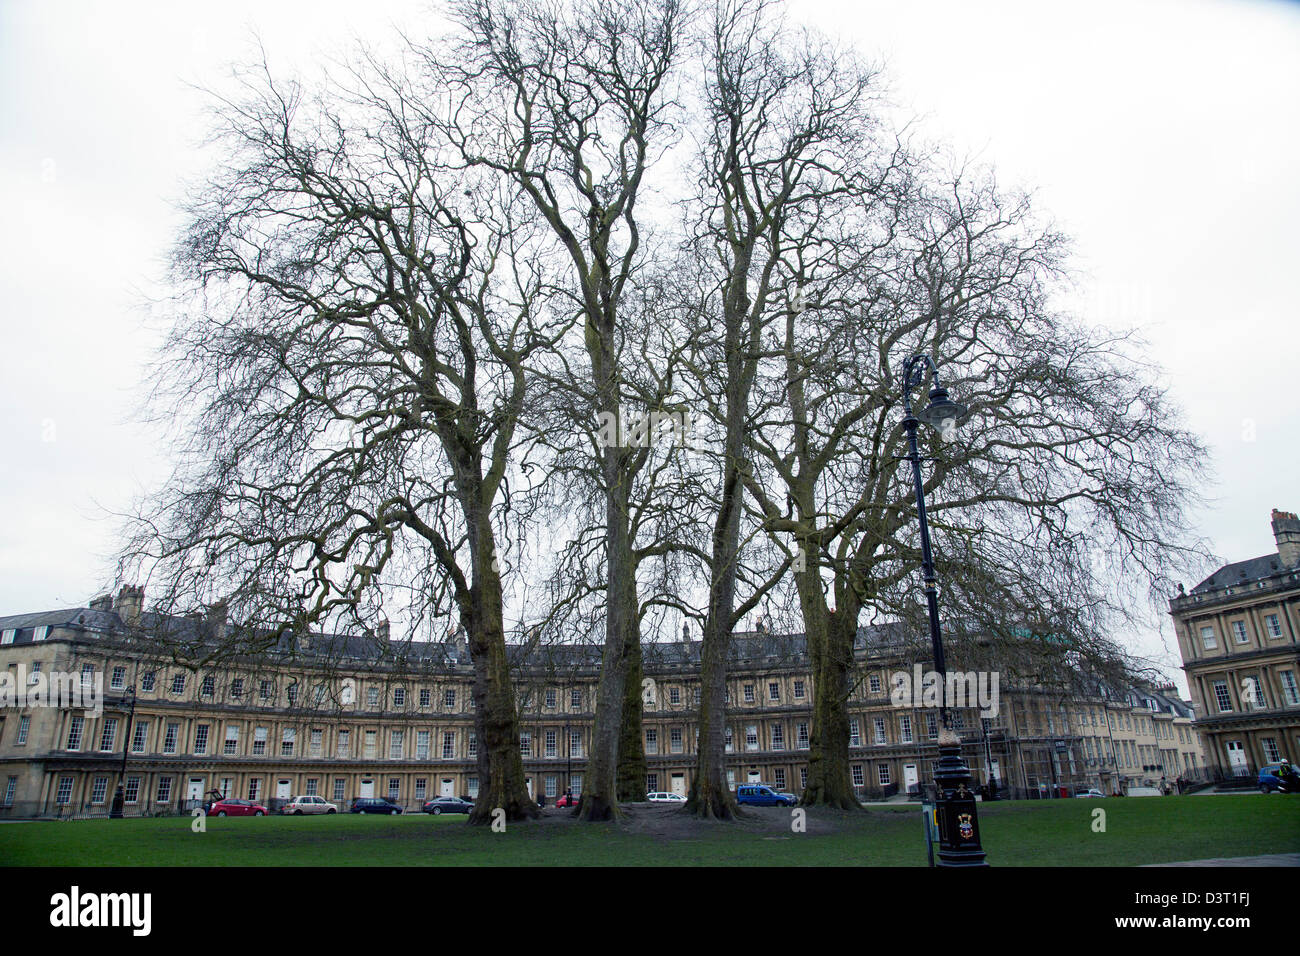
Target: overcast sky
(1161, 135)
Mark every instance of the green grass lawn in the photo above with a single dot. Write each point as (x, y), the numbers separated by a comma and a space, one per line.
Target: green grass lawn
(1015, 833)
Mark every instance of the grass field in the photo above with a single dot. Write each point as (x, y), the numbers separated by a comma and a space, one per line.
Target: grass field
(1015, 833)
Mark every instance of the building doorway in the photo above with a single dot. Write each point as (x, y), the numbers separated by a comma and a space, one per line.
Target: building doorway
(911, 781)
(1237, 759)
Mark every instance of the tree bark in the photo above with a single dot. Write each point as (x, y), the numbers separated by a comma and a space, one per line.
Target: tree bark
(631, 748)
(710, 796)
(496, 718)
(830, 636)
(600, 792)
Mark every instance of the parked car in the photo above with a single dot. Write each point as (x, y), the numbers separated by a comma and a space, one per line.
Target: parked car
(1269, 781)
(374, 805)
(758, 795)
(567, 800)
(1090, 792)
(308, 804)
(237, 808)
(1143, 792)
(447, 805)
(665, 798)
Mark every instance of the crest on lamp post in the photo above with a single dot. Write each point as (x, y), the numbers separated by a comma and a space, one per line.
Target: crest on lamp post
(964, 827)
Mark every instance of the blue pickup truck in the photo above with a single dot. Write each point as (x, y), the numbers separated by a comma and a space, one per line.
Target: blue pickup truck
(759, 795)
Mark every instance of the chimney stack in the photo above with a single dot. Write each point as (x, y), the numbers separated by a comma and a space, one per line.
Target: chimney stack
(1286, 531)
(384, 630)
(217, 615)
(129, 605)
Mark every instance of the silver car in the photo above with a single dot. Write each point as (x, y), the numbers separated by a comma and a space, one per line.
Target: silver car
(308, 804)
(665, 798)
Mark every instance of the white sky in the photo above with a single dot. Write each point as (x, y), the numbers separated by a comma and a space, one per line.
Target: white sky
(1162, 135)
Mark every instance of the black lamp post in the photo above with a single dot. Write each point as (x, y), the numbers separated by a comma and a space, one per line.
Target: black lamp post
(992, 784)
(568, 755)
(116, 811)
(956, 816)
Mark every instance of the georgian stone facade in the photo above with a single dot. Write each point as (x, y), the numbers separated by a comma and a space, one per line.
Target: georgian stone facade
(1237, 632)
(342, 717)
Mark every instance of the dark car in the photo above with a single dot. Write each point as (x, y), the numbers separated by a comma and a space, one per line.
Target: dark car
(1270, 780)
(758, 795)
(237, 808)
(374, 805)
(447, 805)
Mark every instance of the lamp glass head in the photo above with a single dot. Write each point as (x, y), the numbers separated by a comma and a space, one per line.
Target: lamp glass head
(942, 409)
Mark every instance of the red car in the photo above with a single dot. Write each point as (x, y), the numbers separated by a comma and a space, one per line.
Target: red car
(567, 800)
(237, 808)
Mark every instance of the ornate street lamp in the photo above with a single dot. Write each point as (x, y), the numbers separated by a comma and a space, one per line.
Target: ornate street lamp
(118, 808)
(955, 812)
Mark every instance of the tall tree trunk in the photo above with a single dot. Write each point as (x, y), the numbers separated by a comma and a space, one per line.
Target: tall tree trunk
(600, 792)
(631, 747)
(496, 719)
(710, 797)
(830, 647)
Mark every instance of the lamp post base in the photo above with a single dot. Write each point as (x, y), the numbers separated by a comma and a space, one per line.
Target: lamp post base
(119, 801)
(958, 819)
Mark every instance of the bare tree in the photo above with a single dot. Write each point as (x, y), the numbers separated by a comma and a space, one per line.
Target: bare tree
(664, 496)
(570, 107)
(1072, 474)
(786, 143)
(416, 296)
(355, 358)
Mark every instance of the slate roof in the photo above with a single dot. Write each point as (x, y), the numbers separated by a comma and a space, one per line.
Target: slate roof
(1251, 569)
(1165, 703)
(25, 624)
(194, 632)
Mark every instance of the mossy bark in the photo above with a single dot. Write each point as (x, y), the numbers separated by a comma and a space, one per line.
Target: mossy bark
(830, 637)
(710, 798)
(496, 719)
(600, 788)
(631, 747)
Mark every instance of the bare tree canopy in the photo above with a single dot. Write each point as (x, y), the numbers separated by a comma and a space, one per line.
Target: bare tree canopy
(413, 296)
(1071, 474)
(356, 357)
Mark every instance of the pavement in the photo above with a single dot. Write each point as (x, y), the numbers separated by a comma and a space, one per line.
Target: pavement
(1271, 859)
